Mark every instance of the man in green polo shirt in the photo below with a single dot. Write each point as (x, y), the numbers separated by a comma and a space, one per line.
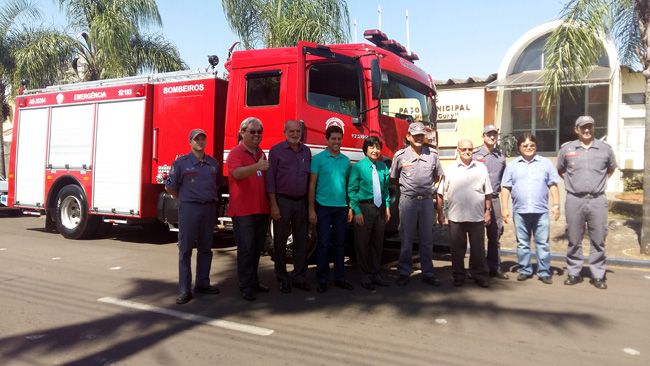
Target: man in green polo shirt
(369, 200)
(328, 208)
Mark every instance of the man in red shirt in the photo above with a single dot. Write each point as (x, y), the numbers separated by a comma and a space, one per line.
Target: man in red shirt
(248, 207)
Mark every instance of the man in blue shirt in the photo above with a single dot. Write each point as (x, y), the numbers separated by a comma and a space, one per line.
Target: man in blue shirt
(194, 179)
(529, 178)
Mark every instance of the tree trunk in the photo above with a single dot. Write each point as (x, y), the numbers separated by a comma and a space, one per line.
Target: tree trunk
(645, 221)
(3, 170)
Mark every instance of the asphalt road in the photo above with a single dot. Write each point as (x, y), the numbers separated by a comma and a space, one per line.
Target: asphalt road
(110, 301)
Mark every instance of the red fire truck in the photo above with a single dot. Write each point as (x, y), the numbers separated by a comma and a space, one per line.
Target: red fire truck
(100, 151)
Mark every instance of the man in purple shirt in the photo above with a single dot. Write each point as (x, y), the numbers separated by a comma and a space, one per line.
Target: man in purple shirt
(529, 178)
(286, 183)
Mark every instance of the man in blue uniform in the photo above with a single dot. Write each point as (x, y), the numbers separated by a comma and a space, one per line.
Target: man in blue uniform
(490, 154)
(193, 180)
(585, 164)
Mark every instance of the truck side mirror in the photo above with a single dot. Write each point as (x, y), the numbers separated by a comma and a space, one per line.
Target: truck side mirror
(375, 74)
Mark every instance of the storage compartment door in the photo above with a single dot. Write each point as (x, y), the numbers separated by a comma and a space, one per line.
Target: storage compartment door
(71, 137)
(117, 178)
(30, 158)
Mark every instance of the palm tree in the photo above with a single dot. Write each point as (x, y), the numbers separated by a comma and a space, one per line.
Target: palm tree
(575, 46)
(18, 34)
(282, 23)
(111, 43)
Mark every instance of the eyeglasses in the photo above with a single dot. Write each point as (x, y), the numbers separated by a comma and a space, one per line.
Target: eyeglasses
(254, 132)
(462, 149)
(529, 146)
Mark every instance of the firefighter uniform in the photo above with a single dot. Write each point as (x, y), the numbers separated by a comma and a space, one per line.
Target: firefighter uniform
(585, 180)
(196, 183)
(417, 176)
(496, 165)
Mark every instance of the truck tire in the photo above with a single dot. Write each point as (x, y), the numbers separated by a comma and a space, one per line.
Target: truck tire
(311, 244)
(72, 218)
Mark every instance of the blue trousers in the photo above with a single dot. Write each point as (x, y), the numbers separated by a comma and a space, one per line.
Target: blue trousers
(195, 224)
(537, 225)
(332, 222)
(416, 221)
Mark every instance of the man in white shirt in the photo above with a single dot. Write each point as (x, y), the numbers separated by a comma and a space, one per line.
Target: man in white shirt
(466, 188)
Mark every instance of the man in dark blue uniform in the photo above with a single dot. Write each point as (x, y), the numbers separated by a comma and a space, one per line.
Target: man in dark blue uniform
(490, 154)
(193, 180)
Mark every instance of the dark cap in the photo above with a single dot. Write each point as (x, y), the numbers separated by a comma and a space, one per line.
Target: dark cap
(195, 132)
(584, 120)
(490, 128)
(417, 128)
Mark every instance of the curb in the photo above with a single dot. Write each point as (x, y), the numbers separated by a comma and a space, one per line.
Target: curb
(613, 261)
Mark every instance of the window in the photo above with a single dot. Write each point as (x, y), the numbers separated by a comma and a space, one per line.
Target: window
(263, 88)
(558, 127)
(335, 87)
(634, 98)
(405, 98)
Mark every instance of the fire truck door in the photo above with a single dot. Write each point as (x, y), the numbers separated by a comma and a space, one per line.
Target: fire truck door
(30, 158)
(117, 180)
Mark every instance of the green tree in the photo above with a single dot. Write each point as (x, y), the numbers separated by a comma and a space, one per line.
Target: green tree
(112, 42)
(575, 46)
(20, 30)
(282, 23)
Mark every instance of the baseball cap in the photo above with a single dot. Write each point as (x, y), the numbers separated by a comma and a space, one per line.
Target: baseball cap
(195, 132)
(584, 120)
(417, 128)
(490, 128)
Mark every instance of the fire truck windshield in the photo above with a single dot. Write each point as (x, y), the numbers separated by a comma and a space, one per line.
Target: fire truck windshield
(405, 98)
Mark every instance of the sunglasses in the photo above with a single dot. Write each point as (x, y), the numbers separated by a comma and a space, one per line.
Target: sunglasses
(254, 132)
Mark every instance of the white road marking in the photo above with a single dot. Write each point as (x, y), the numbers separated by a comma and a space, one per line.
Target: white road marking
(631, 351)
(115, 268)
(56, 258)
(1, 249)
(245, 328)
(35, 336)
(646, 277)
(441, 321)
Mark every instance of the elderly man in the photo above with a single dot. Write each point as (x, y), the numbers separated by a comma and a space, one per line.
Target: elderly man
(490, 154)
(585, 164)
(286, 184)
(417, 168)
(249, 205)
(530, 178)
(468, 191)
(194, 179)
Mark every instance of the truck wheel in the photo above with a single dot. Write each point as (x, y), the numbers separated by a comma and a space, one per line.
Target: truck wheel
(311, 243)
(72, 218)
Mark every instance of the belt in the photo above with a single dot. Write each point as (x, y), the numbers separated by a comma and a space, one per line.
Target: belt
(291, 197)
(370, 202)
(586, 195)
(211, 202)
(418, 197)
(495, 195)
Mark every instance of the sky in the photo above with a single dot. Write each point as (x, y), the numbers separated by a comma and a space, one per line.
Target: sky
(453, 38)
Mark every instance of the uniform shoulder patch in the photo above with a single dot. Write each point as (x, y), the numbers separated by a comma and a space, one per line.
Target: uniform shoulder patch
(565, 144)
(399, 152)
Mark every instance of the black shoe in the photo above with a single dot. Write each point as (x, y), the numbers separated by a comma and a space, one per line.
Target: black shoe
(285, 287)
(482, 283)
(433, 281)
(499, 275)
(248, 294)
(458, 282)
(599, 283)
(184, 298)
(344, 285)
(402, 280)
(368, 286)
(523, 277)
(377, 280)
(302, 285)
(572, 280)
(262, 288)
(321, 287)
(210, 290)
(546, 279)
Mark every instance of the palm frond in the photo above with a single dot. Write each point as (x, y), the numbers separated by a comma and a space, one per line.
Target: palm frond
(155, 53)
